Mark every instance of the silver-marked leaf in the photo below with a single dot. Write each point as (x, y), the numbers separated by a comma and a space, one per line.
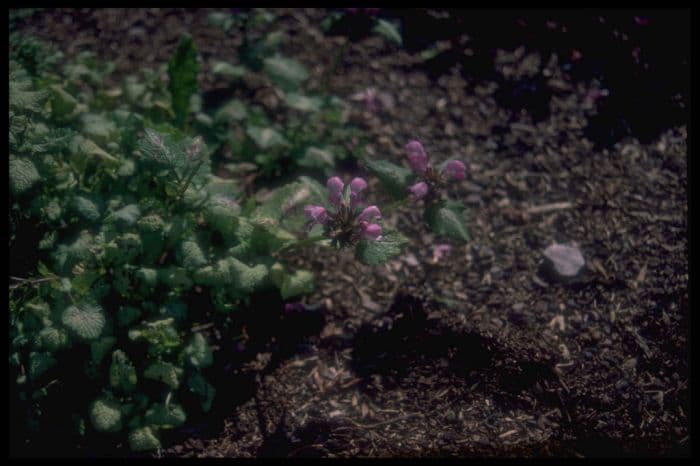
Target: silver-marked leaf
(87, 320)
(298, 283)
(143, 439)
(164, 372)
(106, 415)
(23, 175)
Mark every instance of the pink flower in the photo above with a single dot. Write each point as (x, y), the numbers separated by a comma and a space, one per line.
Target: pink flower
(370, 213)
(419, 190)
(316, 214)
(357, 185)
(417, 157)
(454, 170)
(335, 188)
(371, 231)
(439, 250)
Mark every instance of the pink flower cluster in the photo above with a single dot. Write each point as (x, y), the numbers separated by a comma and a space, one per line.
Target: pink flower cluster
(418, 160)
(345, 209)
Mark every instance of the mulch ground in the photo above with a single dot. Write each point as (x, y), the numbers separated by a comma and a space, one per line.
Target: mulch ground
(476, 353)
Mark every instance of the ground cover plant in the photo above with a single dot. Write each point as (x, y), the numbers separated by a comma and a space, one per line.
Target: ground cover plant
(132, 221)
(347, 232)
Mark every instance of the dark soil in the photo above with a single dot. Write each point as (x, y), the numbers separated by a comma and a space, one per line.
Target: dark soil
(477, 353)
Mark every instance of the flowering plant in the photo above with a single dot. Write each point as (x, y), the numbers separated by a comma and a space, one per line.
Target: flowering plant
(347, 223)
(428, 183)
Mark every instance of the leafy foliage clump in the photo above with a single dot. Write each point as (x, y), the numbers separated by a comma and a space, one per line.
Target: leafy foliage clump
(130, 236)
(131, 223)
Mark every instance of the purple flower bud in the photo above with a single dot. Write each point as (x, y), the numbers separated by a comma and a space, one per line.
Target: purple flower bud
(357, 185)
(417, 157)
(454, 170)
(371, 231)
(316, 214)
(335, 189)
(370, 213)
(419, 190)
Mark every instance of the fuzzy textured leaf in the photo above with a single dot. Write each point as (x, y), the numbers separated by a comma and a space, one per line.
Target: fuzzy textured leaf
(143, 439)
(298, 283)
(395, 178)
(106, 415)
(164, 372)
(376, 252)
(87, 320)
(86, 208)
(23, 175)
(447, 218)
(122, 373)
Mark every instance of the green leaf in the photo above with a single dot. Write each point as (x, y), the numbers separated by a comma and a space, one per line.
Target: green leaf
(198, 352)
(388, 30)
(165, 417)
(228, 71)
(447, 218)
(100, 348)
(62, 103)
(182, 70)
(233, 110)
(197, 384)
(122, 373)
(222, 214)
(287, 73)
(315, 157)
(247, 279)
(151, 223)
(378, 251)
(82, 146)
(175, 277)
(67, 255)
(39, 363)
(86, 208)
(303, 103)
(127, 214)
(395, 178)
(191, 255)
(161, 334)
(127, 315)
(265, 138)
(23, 175)
(86, 320)
(98, 128)
(143, 439)
(164, 372)
(147, 276)
(106, 415)
(53, 339)
(298, 283)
